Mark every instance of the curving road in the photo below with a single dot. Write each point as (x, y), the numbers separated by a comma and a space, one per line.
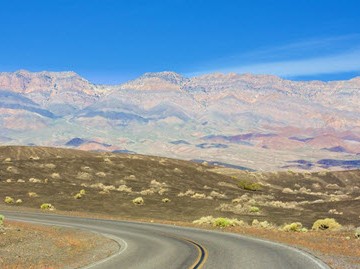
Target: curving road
(163, 246)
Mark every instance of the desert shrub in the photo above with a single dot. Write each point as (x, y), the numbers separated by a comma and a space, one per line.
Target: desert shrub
(216, 194)
(357, 233)
(162, 191)
(50, 165)
(293, 227)
(78, 196)
(254, 209)
(124, 188)
(138, 201)
(9, 180)
(249, 185)
(225, 222)
(20, 181)
(32, 194)
(18, 201)
(287, 190)
(55, 176)
(205, 220)
(262, 224)
(84, 175)
(9, 200)
(2, 218)
(101, 174)
(7, 160)
(82, 192)
(34, 180)
(326, 224)
(221, 222)
(166, 200)
(147, 192)
(187, 193)
(47, 206)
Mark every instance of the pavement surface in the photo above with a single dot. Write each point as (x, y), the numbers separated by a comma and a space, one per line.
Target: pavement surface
(147, 245)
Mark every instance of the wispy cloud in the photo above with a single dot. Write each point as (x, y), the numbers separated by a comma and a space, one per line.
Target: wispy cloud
(338, 63)
(331, 55)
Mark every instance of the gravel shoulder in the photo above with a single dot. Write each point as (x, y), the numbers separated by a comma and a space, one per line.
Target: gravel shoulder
(40, 246)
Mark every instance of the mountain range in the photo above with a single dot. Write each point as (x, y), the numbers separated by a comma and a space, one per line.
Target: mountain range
(255, 122)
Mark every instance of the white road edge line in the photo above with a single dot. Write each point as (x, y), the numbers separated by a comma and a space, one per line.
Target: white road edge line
(121, 242)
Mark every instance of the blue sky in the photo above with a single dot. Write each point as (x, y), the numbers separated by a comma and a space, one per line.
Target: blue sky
(111, 41)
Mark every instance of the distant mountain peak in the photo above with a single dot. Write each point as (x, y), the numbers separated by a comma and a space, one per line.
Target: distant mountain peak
(165, 80)
(166, 75)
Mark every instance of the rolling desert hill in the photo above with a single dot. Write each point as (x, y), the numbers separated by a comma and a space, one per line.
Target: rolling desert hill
(258, 122)
(171, 189)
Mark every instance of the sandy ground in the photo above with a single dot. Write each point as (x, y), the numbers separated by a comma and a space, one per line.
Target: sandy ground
(24, 245)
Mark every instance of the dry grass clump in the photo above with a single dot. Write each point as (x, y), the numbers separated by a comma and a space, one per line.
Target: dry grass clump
(326, 224)
(9, 180)
(281, 204)
(35, 180)
(86, 169)
(194, 195)
(9, 200)
(357, 233)
(187, 193)
(294, 227)
(101, 174)
(7, 160)
(55, 176)
(218, 222)
(32, 194)
(103, 187)
(84, 175)
(21, 181)
(50, 166)
(158, 187)
(335, 212)
(200, 196)
(166, 200)
(138, 201)
(238, 208)
(147, 192)
(18, 201)
(47, 206)
(124, 188)
(287, 190)
(218, 195)
(332, 186)
(12, 169)
(262, 224)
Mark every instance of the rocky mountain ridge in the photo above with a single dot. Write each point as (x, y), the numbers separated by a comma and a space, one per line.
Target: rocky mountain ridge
(241, 119)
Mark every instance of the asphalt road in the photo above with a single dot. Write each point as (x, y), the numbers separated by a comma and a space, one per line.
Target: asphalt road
(167, 247)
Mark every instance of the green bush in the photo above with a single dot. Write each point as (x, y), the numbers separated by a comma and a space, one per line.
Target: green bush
(9, 200)
(78, 196)
(248, 185)
(47, 206)
(222, 222)
(82, 192)
(254, 209)
(326, 224)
